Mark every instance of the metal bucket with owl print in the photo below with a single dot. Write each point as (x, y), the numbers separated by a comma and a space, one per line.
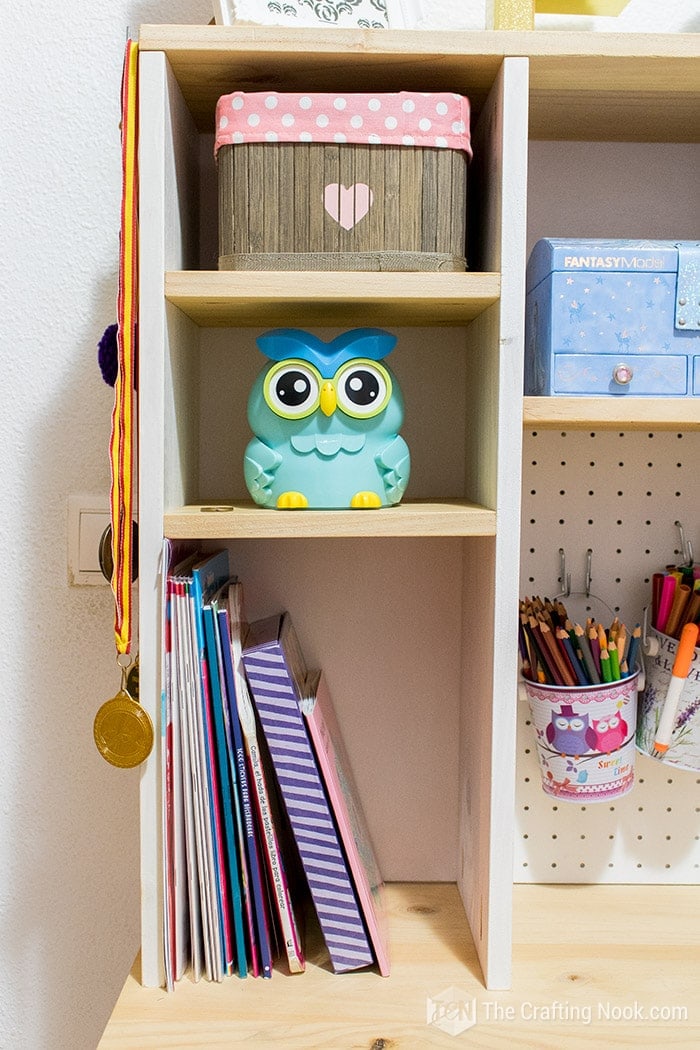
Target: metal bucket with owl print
(326, 419)
(585, 738)
(683, 743)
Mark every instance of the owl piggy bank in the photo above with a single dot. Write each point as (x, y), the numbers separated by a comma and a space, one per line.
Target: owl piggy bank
(326, 419)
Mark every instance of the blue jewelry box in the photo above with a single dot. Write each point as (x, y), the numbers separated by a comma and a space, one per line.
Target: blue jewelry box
(613, 317)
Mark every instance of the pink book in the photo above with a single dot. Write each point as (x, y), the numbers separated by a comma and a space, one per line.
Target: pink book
(332, 759)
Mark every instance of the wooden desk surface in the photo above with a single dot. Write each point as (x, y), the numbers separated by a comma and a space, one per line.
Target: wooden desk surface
(594, 966)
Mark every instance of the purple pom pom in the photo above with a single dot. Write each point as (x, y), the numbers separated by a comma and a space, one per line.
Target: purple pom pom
(107, 356)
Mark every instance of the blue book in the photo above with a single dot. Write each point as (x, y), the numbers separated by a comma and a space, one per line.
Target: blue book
(208, 576)
(231, 867)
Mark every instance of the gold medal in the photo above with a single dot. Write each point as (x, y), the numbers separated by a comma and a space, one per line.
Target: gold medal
(123, 730)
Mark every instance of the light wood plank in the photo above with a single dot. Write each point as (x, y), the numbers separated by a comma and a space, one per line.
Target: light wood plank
(639, 948)
(612, 413)
(251, 298)
(490, 569)
(245, 520)
(584, 86)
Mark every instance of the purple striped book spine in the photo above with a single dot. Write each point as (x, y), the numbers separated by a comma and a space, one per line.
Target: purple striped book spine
(330, 883)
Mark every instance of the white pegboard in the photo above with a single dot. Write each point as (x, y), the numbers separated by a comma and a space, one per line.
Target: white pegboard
(619, 494)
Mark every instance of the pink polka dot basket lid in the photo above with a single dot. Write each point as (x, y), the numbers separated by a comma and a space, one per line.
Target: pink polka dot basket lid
(401, 118)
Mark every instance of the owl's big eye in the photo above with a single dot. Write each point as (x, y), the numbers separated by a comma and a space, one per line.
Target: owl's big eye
(292, 389)
(363, 388)
(576, 723)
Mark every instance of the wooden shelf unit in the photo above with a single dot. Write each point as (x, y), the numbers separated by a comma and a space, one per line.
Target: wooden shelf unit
(581, 86)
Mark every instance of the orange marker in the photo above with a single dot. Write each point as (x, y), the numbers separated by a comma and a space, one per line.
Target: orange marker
(679, 673)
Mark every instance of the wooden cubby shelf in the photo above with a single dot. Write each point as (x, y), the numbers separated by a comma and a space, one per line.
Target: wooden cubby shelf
(417, 636)
(244, 520)
(242, 298)
(612, 413)
(585, 86)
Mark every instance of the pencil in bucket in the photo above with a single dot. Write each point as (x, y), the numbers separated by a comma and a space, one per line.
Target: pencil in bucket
(581, 686)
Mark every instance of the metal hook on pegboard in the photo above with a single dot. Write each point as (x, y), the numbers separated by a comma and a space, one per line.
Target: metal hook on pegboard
(589, 573)
(586, 595)
(685, 545)
(564, 577)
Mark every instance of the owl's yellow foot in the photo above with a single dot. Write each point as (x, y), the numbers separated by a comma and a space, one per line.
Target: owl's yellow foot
(292, 501)
(365, 500)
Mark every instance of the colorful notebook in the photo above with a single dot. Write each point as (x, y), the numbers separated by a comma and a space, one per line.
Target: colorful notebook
(317, 708)
(269, 839)
(276, 673)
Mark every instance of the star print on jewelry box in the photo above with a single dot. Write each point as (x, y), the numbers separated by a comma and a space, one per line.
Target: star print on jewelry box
(326, 418)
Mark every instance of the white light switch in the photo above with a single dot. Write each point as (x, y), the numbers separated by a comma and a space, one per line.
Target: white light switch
(88, 517)
(92, 527)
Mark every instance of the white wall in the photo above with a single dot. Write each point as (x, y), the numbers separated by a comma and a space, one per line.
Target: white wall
(68, 821)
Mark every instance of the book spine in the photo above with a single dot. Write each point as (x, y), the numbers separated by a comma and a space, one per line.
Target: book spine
(312, 823)
(258, 924)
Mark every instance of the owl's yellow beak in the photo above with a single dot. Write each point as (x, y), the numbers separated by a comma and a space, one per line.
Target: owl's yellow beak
(328, 399)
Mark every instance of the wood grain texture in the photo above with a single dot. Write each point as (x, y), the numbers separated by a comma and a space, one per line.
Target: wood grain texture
(227, 298)
(577, 948)
(605, 413)
(634, 87)
(304, 201)
(221, 519)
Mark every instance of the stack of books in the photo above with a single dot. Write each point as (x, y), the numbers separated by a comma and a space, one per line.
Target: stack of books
(260, 811)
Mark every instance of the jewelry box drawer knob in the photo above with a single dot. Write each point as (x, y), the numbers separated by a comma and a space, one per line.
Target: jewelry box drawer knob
(622, 374)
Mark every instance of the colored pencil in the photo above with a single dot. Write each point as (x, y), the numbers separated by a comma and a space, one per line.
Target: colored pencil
(576, 667)
(621, 642)
(595, 647)
(566, 676)
(633, 648)
(588, 661)
(614, 661)
(605, 666)
(555, 651)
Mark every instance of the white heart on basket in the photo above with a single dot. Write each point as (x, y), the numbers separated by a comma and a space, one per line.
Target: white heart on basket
(347, 204)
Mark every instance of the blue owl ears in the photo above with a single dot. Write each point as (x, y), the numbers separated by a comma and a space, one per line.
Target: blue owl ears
(282, 343)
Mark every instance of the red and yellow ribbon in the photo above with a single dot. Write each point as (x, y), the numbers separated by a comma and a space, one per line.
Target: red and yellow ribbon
(121, 449)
